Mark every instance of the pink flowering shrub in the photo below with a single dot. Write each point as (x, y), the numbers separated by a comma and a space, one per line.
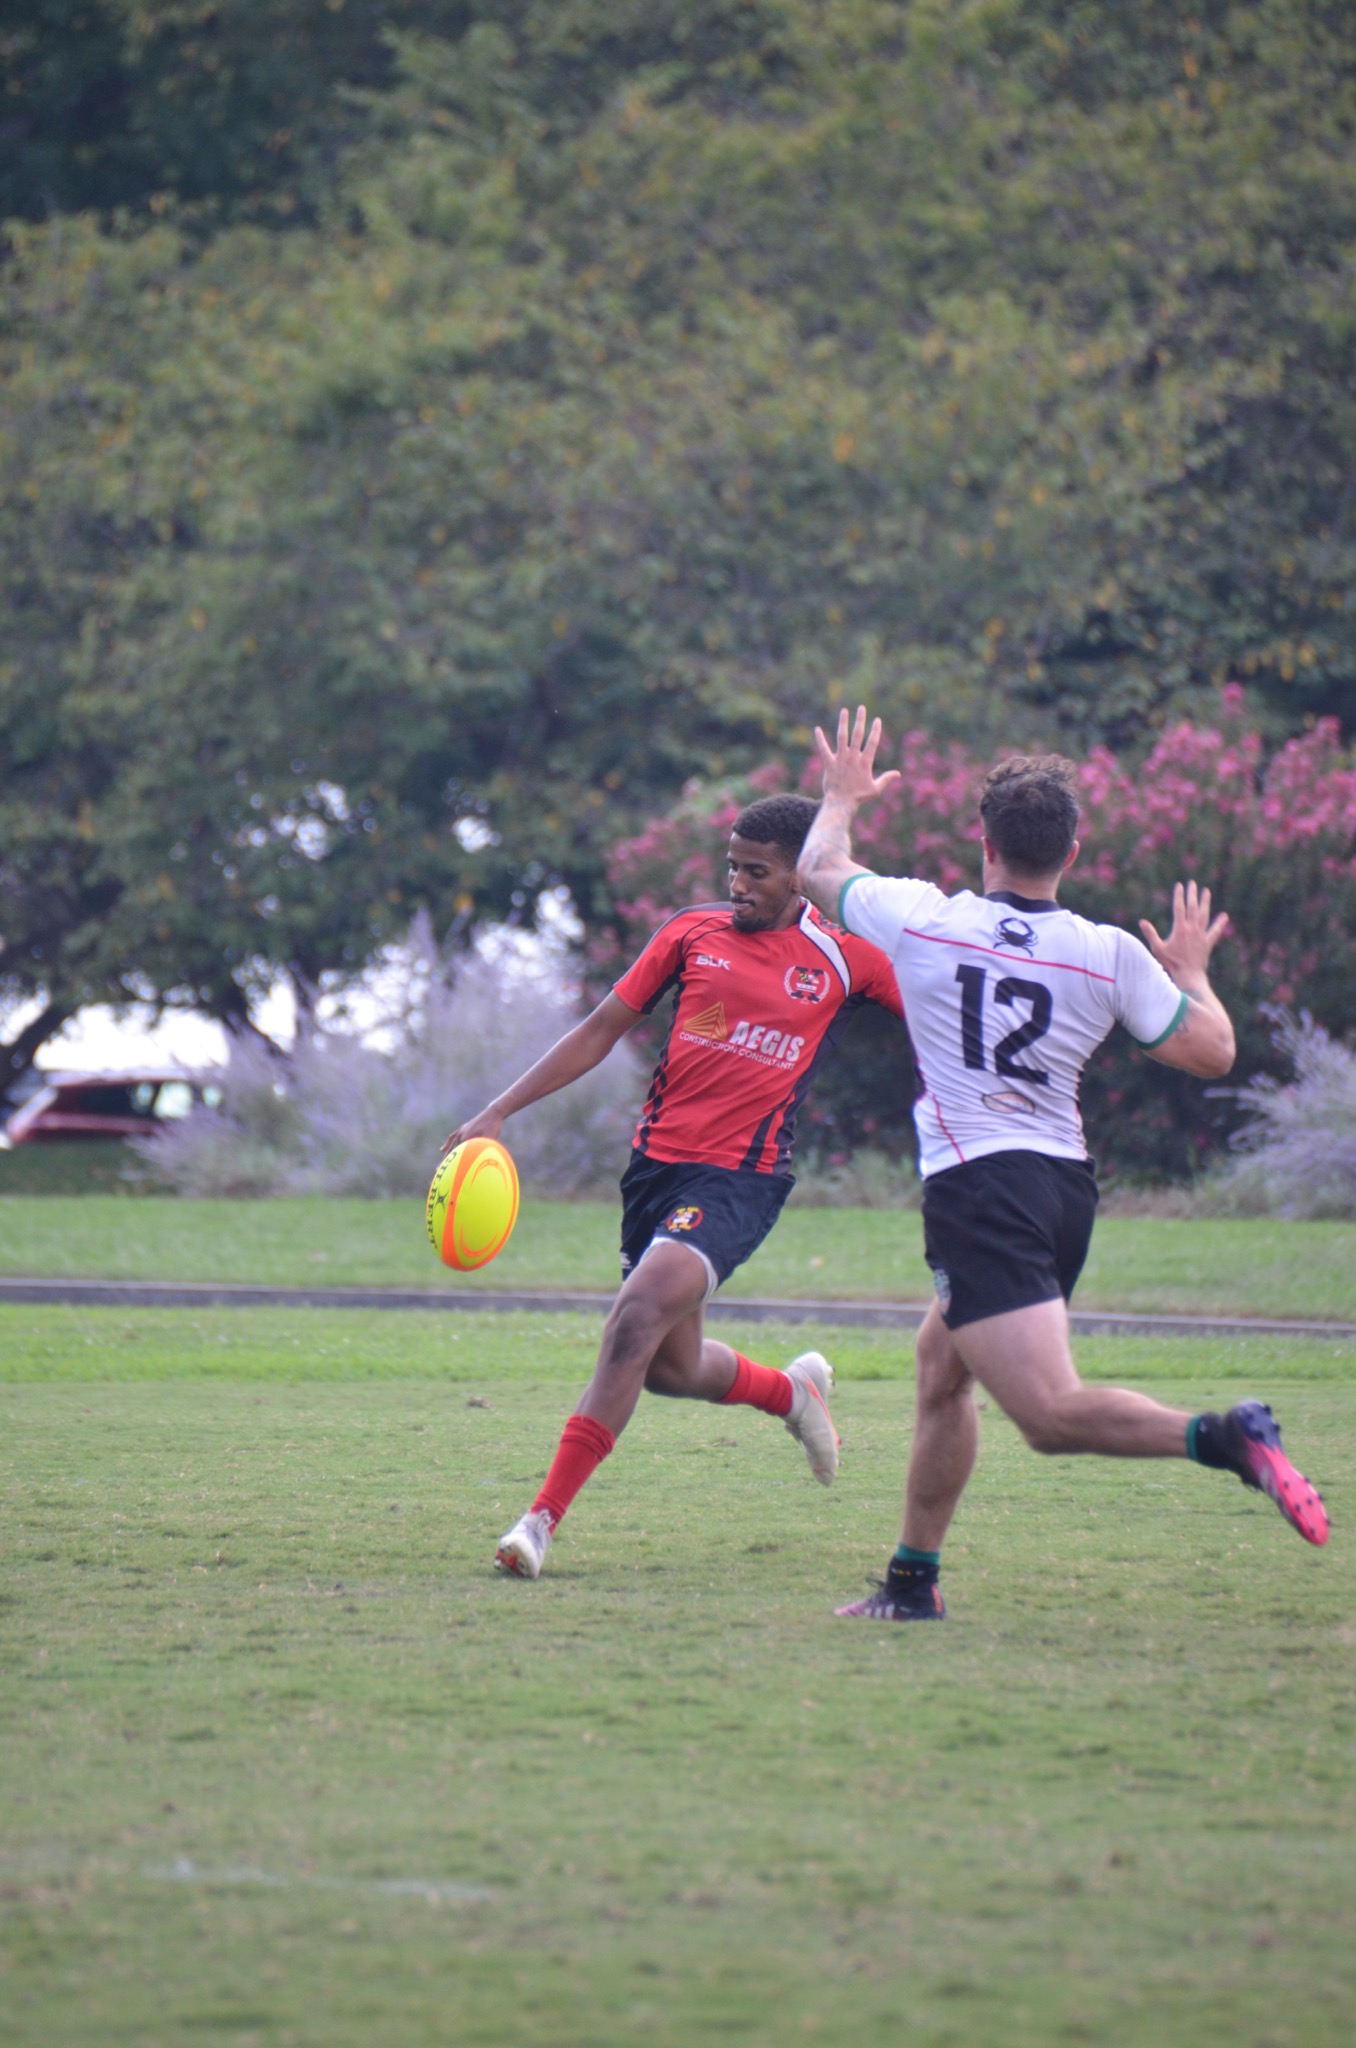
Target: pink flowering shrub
(1273, 837)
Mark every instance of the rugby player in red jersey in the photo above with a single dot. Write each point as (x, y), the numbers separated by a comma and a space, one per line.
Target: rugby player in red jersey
(763, 988)
(1008, 994)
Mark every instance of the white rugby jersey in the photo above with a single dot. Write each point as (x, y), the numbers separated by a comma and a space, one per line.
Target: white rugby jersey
(1005, 999)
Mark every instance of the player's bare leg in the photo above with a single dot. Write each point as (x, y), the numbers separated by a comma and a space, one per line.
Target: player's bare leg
(663, 1296)
(653, 1338)
(941, 1459)
(665, 1291)
(690, 1366)
(945, 1436)
(714, 1372)
(1023, 1359)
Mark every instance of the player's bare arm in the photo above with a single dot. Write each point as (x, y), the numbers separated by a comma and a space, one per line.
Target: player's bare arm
(1203, 1043)
(577, 1053)
(850, 780)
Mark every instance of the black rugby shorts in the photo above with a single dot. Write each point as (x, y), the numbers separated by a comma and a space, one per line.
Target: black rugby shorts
(1006, 1231)
(723, 1212)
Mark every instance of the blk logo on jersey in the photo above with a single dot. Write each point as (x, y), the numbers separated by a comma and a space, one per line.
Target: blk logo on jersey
(710, 960)
(806, 984)
(685, 1218)
(1017, 933)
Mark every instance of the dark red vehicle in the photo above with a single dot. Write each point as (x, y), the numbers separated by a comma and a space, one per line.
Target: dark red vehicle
(102, 1106)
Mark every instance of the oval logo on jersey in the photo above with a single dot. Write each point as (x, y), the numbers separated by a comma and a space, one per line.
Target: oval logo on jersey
(1008, 1102)
(806, 984)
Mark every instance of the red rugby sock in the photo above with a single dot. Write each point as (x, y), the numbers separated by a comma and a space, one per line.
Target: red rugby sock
(759, 1386)
(584, 1444)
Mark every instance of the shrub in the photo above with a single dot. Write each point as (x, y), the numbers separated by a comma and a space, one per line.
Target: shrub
(1298, 1154)
(1274, 838)
(339, 1115)
(865, 1179)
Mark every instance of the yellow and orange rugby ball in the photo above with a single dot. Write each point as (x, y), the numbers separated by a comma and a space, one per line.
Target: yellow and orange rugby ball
(472, 1204)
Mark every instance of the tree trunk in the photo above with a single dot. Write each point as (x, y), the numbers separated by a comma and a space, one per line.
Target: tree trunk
(18, 1056)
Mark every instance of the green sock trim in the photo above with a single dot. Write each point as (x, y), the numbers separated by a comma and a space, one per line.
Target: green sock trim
(1192, 1427)
(906, 1554)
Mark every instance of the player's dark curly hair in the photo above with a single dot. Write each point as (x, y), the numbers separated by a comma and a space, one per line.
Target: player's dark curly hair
(1030, 812)
(780, 821)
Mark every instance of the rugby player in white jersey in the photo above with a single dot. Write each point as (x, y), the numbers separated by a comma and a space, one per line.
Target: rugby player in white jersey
(1006, 995)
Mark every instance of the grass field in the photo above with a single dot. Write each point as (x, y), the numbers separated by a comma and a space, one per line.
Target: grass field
(1150, 1264)
(282, 1762)
(76, 1166)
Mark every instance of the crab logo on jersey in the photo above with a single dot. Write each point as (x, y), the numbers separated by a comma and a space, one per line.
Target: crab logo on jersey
(806, 984)
(685, 1218)
(1017, 933)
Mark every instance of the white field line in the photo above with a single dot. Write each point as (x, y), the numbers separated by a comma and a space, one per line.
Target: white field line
(56, 1867)
(184, 1870)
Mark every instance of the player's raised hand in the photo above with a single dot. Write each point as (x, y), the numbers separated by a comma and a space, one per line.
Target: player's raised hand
(1193, 936)
(850, 766)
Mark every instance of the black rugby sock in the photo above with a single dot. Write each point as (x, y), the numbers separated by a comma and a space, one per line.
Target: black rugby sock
(908, 1568)
(1206, 1442)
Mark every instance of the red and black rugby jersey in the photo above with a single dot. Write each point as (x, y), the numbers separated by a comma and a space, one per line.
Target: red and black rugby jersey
(756, 1012)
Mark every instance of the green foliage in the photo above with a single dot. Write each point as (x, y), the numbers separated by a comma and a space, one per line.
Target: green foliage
(113, 103)
(627, 384)
(74, 1167)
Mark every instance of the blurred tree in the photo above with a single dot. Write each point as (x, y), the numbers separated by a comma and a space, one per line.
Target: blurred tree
(634, 382)
(278, 671)
(117, 103)
(243, 104)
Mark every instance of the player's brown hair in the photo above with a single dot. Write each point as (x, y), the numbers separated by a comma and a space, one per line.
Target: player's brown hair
(1030, 811)
(780, 821)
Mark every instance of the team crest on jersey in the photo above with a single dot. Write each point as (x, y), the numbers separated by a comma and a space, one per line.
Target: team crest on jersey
(687, 1217)
(1017, 933)
(1008, 1102)
(806, 984)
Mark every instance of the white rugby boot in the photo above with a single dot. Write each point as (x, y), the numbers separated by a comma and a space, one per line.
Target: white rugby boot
(810, 1422)
(523, 1550)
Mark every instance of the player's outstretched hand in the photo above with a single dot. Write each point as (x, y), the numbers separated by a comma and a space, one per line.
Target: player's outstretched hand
(1194, 935)
(487, 1125)
(850, 767)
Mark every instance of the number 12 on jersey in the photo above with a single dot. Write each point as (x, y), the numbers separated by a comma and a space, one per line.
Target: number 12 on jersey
(1008, 992)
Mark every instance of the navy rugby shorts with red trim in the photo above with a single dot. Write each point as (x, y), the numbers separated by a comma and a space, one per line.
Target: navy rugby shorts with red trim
(1006, 1231)
(723, 1212)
